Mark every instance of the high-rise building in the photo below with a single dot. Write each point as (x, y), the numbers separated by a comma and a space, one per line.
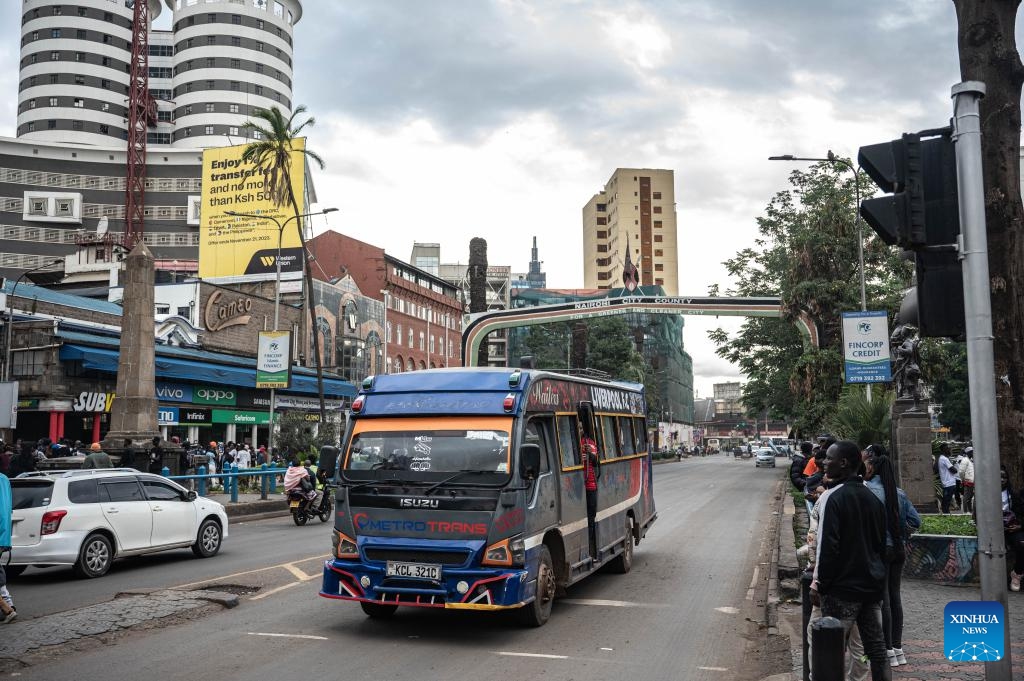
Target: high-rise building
(636, 207)
(222, 60)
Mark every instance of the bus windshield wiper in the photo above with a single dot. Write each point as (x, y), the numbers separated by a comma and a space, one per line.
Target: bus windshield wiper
(451, 478)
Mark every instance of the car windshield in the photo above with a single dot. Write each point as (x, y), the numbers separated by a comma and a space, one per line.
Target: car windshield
(420, 447)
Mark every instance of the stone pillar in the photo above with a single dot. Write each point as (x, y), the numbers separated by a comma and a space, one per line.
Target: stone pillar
(133, 415)
(912, 449)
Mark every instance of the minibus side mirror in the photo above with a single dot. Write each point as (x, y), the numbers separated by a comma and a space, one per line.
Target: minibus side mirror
(328, 460)
(529, 460)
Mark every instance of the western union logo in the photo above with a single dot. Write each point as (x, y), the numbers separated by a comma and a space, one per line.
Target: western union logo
(267, 260)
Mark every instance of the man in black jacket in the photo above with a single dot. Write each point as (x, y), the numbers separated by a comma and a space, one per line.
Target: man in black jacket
(796, 467)
(849, 574)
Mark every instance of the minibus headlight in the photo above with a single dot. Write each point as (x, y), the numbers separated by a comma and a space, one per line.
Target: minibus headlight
(344, 547)
(506, 552)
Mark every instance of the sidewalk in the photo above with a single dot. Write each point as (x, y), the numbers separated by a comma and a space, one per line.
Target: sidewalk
(923, 605)
(250, 505)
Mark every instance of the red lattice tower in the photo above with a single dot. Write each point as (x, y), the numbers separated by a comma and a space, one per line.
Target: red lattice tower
(141, 115)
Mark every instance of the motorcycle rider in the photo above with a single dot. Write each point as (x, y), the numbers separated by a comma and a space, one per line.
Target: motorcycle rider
(298, 480)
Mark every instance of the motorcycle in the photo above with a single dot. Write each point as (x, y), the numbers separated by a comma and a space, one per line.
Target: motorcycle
(304, 509)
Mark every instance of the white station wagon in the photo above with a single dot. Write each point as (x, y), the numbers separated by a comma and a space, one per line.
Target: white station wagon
(87, 518)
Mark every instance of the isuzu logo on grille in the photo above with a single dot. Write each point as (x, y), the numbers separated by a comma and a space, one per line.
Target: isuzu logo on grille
(419, 503)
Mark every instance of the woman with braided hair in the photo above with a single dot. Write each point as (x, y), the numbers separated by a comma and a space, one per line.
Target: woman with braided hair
(901, 519)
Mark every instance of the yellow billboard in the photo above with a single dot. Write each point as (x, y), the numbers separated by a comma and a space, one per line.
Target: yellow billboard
(233, 246)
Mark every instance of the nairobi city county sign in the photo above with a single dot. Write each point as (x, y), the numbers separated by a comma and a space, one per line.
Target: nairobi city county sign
(481, 324)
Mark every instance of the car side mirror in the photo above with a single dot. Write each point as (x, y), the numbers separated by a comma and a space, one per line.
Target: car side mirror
(529, 460)
(191, 495)
(328, 460)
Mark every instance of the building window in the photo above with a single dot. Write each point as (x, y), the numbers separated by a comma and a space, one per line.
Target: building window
(233, 108)
(211, 40)
(259, 23)
(76, 125)
(210, 62)
(236, 41)
(106, 39)
(658, 267)
(37, 207)
(55, 33)
(257, 135)
(211, 18)
(105, 61)
(184, 311)
(233, 131)
(53, 101)
(105, 84)
(31, 127)
(656, 195)
(31, 103)
(657, 224)
(66, 207)
(80, 34)
(236, 63)
(387, 332)
(602, 234)
(422, 341)
(235, 86)
(55, 56)
(259, 47)
(658, 252)
(602, 220)
(79, 80)
(104, 129)
(657, 238)
(190, 42)
(398, 333)
(257, 90)
(210, 108)
(209, 130)
(35, 35)
(51, 124)
(411, 338)
(79, 103)
(236, 19)
(210, 84)
(82, 11)
(188, 109)
(259, 68)
(657, 209)
(79, 56)
(659, 282)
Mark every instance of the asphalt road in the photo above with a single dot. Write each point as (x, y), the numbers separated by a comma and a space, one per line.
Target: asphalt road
(678, 615)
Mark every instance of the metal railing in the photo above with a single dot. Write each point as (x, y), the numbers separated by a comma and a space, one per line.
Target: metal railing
(230, 478)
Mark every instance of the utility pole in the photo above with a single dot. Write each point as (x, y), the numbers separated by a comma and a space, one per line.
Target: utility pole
(973, 247)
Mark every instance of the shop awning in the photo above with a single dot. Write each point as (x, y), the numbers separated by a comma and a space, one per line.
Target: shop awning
(105, 360)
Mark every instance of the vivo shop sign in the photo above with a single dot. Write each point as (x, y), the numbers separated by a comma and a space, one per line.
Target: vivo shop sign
(173, 392)
(196, 394)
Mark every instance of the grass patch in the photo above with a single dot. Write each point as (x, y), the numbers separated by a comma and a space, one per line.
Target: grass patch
(959, 525)
(798, 496)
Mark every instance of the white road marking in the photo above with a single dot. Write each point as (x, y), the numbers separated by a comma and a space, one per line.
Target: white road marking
(319, 556)
(714, 669)
(728, 610)
(607, 648)
(305, 636)
(611, 604)
(273, 591)
(541, 655)
(302, 576)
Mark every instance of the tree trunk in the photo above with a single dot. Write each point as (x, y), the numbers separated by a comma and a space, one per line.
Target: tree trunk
(478, 288)
(310, 304)
(988, 53)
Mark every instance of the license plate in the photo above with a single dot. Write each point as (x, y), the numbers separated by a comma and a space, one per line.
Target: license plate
(293, 504)
(414, 570)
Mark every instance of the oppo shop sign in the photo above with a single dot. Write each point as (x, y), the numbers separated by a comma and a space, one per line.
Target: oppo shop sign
(220, 395)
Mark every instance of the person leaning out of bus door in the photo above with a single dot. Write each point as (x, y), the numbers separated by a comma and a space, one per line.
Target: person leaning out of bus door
(591, 472)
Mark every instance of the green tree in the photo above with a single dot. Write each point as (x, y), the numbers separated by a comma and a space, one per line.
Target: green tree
(807, 254)
(549, 345)
(944, 363)
(611, 349)
(863, 422)
(276, 136)
(295, 433)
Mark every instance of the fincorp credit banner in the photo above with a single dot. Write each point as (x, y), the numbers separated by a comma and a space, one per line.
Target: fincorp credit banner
(866, 347)
(231, 246)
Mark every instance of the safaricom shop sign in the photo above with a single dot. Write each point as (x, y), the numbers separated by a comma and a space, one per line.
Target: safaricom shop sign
(246, 418)
(206, 394)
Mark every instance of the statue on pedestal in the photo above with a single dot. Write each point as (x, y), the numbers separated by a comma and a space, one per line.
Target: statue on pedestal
(906, 370)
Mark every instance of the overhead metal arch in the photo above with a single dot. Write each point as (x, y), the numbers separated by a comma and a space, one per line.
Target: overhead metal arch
(481, 324)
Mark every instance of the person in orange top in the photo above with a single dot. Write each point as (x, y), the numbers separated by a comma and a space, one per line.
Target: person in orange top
(811, 468)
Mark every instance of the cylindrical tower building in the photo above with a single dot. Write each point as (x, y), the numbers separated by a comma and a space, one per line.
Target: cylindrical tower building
(73, 80)
(231, 57)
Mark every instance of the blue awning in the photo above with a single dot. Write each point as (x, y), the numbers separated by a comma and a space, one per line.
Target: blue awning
(102, 359)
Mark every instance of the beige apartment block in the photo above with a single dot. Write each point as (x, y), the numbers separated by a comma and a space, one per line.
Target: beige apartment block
(638, 203)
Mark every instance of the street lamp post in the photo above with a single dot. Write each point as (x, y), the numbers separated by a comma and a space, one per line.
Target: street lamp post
(836, 160)
(10, 313)
(277, 294)
(384, 357)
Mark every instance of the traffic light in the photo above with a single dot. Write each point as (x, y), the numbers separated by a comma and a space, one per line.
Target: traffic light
(921, 213)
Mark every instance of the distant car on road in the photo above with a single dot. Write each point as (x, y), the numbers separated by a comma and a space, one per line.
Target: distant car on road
(87, 518)
(764, 457)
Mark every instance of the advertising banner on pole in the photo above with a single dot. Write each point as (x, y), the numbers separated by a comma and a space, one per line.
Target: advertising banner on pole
(231, 246)
(866, 347)
(273, 359)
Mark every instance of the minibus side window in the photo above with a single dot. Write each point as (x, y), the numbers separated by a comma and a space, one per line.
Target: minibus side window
(568, 441)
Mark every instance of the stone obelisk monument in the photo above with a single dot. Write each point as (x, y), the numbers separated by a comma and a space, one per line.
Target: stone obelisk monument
(133, 415)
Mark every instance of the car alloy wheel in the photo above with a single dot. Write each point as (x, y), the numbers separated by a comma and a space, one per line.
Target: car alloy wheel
(95, 557)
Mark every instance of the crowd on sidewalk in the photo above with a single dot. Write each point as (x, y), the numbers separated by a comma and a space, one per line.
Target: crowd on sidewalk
(859, 521)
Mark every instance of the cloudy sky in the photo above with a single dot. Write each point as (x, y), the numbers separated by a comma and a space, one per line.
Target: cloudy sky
(441, 120)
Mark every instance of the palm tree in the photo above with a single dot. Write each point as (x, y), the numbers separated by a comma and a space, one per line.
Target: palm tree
(272, 152)
(862, 421)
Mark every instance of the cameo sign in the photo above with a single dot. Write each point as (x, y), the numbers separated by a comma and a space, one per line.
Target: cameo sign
(223, 311)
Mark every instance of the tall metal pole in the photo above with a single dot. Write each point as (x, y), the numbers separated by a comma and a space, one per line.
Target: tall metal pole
(973, 246)
(430, 313)
(277, 322)
(384, 358)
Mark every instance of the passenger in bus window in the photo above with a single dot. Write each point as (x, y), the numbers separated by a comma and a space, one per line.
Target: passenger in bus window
(591, 472)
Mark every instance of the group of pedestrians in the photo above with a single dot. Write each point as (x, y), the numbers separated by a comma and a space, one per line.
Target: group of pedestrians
(859, 522)
(956, 476)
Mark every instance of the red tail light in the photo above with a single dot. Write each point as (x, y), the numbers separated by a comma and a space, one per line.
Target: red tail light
(51, 522)
(357, 405)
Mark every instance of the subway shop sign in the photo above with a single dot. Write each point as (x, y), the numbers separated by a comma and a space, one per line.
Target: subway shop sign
(245, 418)
(208, 394)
